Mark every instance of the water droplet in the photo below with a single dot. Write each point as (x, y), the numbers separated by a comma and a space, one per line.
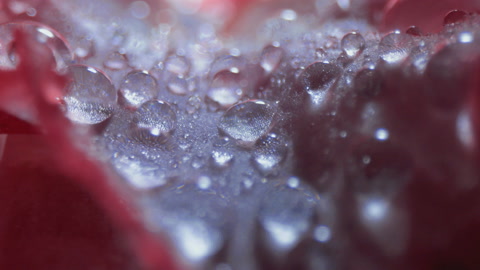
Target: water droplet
(90, 97)
(344, 4)
(247, 121)
(465, 37)
(221, 159)
(138, 87)
(271, 58)
(465, 130)
(194, 103)
(234, 64)
(414, 31)
(454, 17)
(39, 33)
(84, 48)
(382, 134)
(375, 209)
(322, 233)
(178, 65)
(293, 182)
(177, 85)
(285, 216)
(139, 9)
(394, 47)
(226, 89)
(154, 120)
(352, 44)
(288, 15)
(269, 153)
(368, 82)
(204, 182)
(116, 61)
(319, 76)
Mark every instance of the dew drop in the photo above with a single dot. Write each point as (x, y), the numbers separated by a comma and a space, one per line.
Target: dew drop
(288, 15)
(414, 31)
(204, 182)
(271, 58)
(116, 61)
(138, 87)
(319, 76)
(221, 159)
(226, 89)
(234, 64)
(322, 233)
(247, 121)
(194, 103)
(454, 17)
(382, 134)
(178, 65)
(140, 9)
(39, 33)
(352, 44)
(269, 153)
(177, 85)
(394, 47)
(90, 97)
(154, 120)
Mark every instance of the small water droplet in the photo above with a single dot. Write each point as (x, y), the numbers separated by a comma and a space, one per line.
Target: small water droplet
(293, 182)
(226, 89)
(414, 31)
(177, 85)
(204, 182)
(138, 87)
(269, 153)
(352, 44)
(116, 61)
(271, 58)
(322, 233)
(247, 121)
(319, 76)
(288, 15)
(221, 159)
(155, 120)
(178, 65)
(454, 17)
(90, 97)
(394, 47)
(465, 37)
(194, 103)
(227, 62)
(382, 134)
(140, 9)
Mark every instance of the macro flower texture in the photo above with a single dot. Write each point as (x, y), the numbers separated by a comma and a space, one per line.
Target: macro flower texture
(240, 134)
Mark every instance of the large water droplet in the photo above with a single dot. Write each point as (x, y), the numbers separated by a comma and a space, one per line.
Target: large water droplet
(90, 97)
(454, 17)
(154, 121)
(226, 89)
(247, 121)
(394, 47)
(319, 76)
(271, 58)
(138, 87)
(269, 153)
(352, 44)
(40, 34)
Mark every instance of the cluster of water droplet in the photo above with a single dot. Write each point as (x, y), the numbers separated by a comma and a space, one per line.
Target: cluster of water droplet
(263, 158)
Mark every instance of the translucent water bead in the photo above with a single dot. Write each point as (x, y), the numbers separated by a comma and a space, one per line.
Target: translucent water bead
(352, 44)
(154, 121)
(38, 33)
(90, 97)
(138, 87)
(248, 121)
